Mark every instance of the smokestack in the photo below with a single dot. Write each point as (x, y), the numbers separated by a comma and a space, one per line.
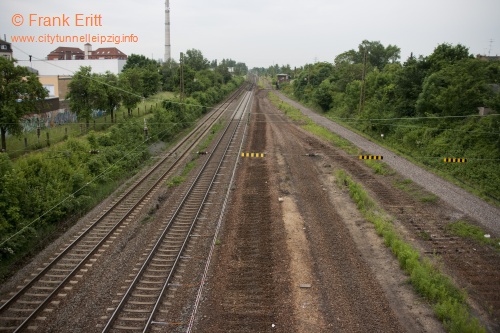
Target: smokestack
(167, 31)
(87, 49)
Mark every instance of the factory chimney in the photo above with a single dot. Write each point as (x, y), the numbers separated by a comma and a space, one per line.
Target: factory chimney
(167, 31)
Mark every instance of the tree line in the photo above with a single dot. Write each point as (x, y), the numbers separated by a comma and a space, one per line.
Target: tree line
(21, 93)
(425, 107)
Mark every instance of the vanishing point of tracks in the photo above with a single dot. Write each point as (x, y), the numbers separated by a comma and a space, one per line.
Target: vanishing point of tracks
(56, 278)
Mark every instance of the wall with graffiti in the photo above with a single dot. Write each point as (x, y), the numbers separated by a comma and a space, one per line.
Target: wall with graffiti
(48, 119)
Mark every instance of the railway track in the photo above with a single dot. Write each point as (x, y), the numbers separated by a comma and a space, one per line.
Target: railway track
(71, 262)
(427, 222)
(142, 305)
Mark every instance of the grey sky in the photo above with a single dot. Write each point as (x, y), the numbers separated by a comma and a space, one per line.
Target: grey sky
(266, 32)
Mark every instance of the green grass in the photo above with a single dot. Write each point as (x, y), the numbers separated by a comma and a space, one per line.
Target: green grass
(448, 301)
(215, 129)
(415, 191)
(176, 181)
(429, 198)
(380, 168)
(472, 232)
(403, 184)
(16, 145)
(306, 123)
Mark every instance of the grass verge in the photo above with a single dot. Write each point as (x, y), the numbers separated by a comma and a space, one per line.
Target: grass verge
(177, 180)
(472, 232)
(307, 124)
(448, 301)
(58, 133)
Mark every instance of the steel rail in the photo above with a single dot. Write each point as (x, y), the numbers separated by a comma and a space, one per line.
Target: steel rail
(150, 319)
(167, 228)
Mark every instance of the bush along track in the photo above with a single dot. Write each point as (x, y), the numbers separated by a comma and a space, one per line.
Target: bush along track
(448, 301)
(41, 192)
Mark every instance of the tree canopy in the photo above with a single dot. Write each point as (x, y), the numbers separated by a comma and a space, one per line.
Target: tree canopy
(21, 93)
(426, 106)
(141, 61)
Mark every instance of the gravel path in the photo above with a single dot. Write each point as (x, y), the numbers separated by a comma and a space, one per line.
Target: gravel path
(484, 213)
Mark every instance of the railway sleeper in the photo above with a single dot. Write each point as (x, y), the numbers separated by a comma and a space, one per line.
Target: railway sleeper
(49, 281)
(161, 254)
(132, 310)
(19, 310)
(148, 288)
(150, 282)
(141, 319)
(150, 276)
(125, 328)
(167, 267)
(43, 295)
(140, 296)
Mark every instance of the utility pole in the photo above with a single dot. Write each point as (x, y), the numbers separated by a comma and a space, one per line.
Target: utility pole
(181, 69)
(362, 91)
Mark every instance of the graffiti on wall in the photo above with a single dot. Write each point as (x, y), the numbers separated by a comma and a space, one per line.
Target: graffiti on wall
(48, 119)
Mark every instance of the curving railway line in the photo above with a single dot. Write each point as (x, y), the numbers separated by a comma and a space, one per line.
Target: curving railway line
(56, 278)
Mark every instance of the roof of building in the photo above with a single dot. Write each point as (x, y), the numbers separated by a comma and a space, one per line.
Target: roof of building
(64, 49)
(9, 49)
(488, 58)
(107, 51)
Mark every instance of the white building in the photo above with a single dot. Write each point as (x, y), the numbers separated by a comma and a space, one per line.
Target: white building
(69, 67)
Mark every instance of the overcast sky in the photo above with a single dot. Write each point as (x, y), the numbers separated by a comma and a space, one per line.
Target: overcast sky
(261, 33)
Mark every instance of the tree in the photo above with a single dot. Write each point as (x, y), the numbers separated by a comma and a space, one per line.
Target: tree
(446, 54)
(138, 60)
(130, 82)
(20, 91)
(151, 80)
(107, 97)
(409, 85)
(170, 75)
(323, 95)
(195, 59)
(82, 92)
(378, 55)
(455, 90)
(223, 70)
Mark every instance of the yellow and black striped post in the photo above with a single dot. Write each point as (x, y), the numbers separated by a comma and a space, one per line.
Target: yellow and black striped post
(370, 157)
(253, 155)
(454, 160)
